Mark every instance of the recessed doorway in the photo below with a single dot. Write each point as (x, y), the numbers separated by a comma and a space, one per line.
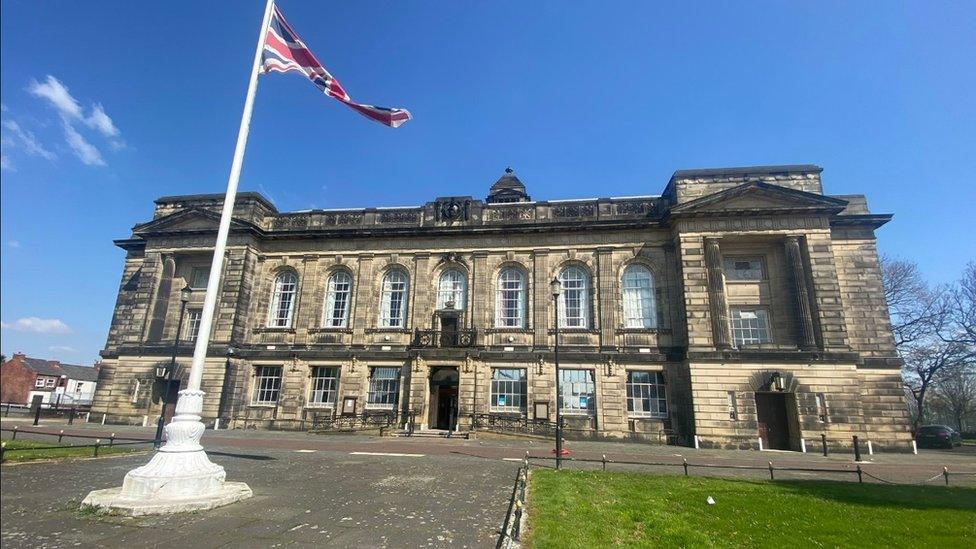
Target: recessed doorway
(443, 398)
(774, 419)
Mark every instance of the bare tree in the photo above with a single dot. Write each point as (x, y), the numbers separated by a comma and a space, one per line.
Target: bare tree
(915, 309)
(955, 395)
(962, 301)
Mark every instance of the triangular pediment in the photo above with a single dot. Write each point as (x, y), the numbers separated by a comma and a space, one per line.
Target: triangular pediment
(758, 197)
(188, 220)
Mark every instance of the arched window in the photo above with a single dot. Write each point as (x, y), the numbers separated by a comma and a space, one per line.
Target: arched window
(640, 311)
(337, 296)
(393, 308)
(573, 300)
(510, 299)
(452, 288)
(283, 300)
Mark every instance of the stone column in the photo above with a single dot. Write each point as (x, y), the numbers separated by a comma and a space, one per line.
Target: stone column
(164, 292)
(606, 298)
(801, 297)
(481, 301)
(540, 298)
(716, 294)
(363, 301)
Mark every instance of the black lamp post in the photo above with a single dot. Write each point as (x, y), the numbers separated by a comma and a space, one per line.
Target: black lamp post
(171, 371)
(557, 288)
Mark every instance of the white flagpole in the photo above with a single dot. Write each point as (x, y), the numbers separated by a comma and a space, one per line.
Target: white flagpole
(216, 266)
(180, 477)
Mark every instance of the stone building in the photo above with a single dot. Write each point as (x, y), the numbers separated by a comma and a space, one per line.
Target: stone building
(741, 304)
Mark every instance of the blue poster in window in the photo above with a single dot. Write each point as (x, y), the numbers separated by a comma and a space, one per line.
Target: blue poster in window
(583, 402)
(502, 399)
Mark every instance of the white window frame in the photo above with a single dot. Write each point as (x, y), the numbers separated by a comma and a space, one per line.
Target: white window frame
(736, 275)
(510, 299)
(338, 298)
(452, 285)
(39, 382)
(284, 295)
(50, 382)
(575, 282)
(748, 330)
(509, 390)
(193, 282)
(323, 387)
(647, 398)
(394, 299)
(576, 384)
(382, 389)
(192, 327)
(267, 383)
(640, 303)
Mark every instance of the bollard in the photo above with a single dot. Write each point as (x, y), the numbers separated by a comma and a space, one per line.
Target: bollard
(870, 449)
(604, 462)
(945, 473)
(217, 424)
(111, 440)
(696, 442)
(771, 471)
(15, 433)
(87, 417)
(97, 442)
(803, 445)
(859, 479)
(685, 464)
(914, 448)
(823, 440)
(145, 420)
(857, 449)
(103, 418)
(60, 436)
(3, 448)
(37, 414)
(760, 444)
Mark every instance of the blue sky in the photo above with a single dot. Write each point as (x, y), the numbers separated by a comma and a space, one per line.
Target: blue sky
(581, 98)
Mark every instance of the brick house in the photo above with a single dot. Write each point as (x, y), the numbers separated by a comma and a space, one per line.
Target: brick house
(22, 377)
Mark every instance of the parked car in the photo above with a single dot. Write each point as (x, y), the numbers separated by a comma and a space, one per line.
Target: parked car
(938, 436)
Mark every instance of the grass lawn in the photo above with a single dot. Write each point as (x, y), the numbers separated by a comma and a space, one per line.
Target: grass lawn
(597, 509)
(24, 452)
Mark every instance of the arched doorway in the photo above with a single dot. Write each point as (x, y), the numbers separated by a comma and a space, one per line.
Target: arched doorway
(443, 407)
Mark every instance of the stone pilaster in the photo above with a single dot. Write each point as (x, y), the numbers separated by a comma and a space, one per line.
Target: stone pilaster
(606, 285)
(479, 307)
(363, 300)
(161, 301)
(801, 297)
(716, 294)
(540, 297)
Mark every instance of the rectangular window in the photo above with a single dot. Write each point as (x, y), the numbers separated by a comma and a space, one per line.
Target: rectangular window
(749, 326)
(577, 391)
(78, 387)
(733, 406)
(192, 324)
(743, 268)
(39, 382)
(384, 388)
(199, 277)
(324, 383)
(822, 407)
(646, 395)
(267, 384)
(49, 382)
(508, 388)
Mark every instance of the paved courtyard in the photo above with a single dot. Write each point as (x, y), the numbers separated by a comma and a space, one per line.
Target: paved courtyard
(318, 497)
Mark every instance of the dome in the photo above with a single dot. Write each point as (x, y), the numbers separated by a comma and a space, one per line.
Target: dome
(508, 188)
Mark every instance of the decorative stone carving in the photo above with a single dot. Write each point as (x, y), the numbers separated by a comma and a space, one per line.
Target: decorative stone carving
(641, 207)
(510, 213)
(399, 216)
(574, 210)
(452, 209)
(290, 223)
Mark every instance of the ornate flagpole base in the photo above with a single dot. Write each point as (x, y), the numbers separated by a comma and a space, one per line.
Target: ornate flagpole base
(178, 478)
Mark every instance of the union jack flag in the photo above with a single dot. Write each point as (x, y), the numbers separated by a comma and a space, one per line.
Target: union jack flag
(284, 51)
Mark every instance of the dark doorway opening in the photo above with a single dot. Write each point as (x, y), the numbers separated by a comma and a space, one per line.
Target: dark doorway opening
(449, 328)
(443, 398)
(774, 422)
(170, 395)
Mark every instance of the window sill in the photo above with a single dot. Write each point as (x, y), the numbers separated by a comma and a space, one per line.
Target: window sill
(656, 418)
(320, 406)
(643, 331)
(508, 330)
(388, 330)
(508, 412)
(577, 414)
(274, 329)
(330, 329)
(262, 405)
(575, 331)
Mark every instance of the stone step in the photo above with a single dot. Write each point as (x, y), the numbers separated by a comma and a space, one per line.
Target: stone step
(431, 433)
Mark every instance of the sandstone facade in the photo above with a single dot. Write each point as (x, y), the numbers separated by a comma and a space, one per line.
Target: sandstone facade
(664, 342)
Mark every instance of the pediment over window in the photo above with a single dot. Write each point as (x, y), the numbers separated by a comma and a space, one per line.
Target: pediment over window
(188, 220)
(757, 197)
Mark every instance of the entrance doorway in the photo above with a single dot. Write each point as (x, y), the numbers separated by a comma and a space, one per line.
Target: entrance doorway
(774, 419)
(443, 398)
(449, 328)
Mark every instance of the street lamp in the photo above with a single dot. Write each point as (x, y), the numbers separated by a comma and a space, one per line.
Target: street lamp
(557, 288)
(171, 371)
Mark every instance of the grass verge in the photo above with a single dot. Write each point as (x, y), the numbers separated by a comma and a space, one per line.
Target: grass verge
(597, 509)
(24, 450)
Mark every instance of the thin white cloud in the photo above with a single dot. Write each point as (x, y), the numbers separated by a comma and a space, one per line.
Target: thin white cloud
(85, 151)
(27, 140)
(5, 163)
(57, 93)
(13, 243)
(70, 109)
(62, 349)
(37, 325)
